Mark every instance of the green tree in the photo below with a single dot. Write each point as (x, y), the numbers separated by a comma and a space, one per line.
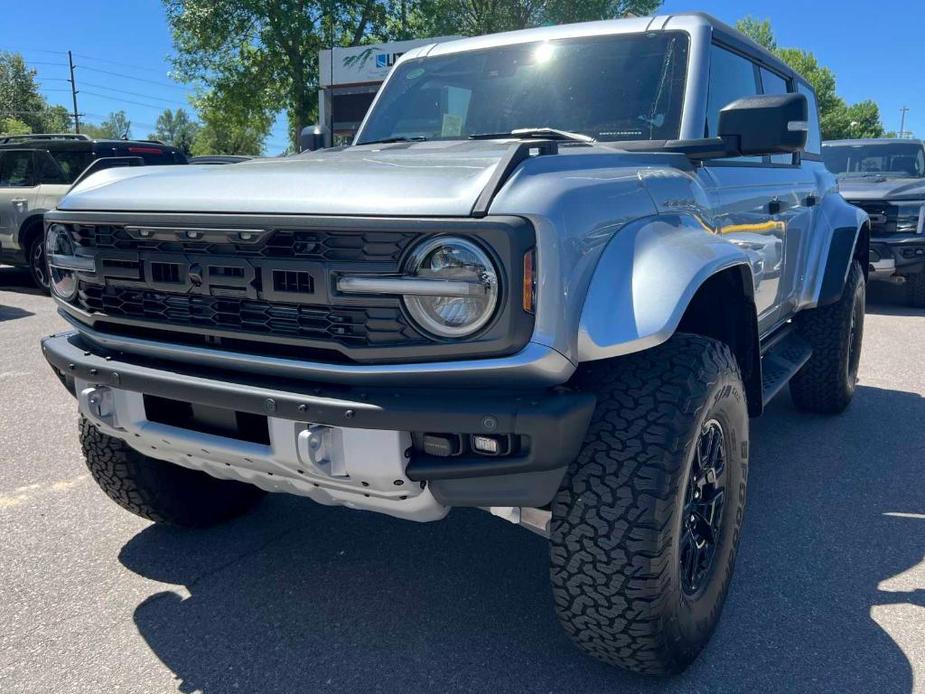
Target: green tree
(759, 31)
(858, 121)
(117, 126)
(94, 131)
(229, 128)
(21, 100)
(474, 17)
(838, 120)
(177, 129)
(13, 126)
(262, 55)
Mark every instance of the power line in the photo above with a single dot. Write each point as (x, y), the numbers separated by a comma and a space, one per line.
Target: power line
(119, 100)
(117, 62)
(45, 62)
(125, 91)
(35, 50)
(132, 77)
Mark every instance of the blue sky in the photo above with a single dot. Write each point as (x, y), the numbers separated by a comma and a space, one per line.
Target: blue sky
(877, 50)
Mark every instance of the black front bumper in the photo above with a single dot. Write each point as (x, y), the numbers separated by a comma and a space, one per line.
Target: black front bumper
(553, 423)
(906, 250)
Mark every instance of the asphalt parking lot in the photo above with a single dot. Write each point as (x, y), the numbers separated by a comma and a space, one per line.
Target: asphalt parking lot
(829, 593)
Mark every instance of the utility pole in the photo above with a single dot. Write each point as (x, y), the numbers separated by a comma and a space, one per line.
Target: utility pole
(70, 62)
(902, 127)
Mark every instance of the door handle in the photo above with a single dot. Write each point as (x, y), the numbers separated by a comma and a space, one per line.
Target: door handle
(774, 207)
(19, 201)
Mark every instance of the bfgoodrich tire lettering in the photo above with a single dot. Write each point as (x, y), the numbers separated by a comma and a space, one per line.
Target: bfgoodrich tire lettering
(161, 491)
(620, 516)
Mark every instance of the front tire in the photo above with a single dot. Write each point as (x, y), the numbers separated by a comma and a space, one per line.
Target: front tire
(158, 490)
(645, 526)
(827, 382)
(38, 267)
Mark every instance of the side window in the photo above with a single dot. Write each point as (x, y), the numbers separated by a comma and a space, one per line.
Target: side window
(814, 141)
(17, 169)
(772, 83)
(73, 163)
(47, 170)
(731, 77)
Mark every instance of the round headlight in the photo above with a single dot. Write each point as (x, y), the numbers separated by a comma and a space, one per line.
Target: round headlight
(58, 244)
(471, 290)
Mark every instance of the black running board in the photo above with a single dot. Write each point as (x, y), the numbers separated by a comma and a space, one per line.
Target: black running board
(781, 362)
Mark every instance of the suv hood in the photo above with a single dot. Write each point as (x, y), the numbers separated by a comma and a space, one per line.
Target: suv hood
(428, 178)
(856, 188)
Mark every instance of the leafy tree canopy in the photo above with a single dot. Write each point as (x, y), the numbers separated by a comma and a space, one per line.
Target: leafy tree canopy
(260, 56)
(229, 128)
(22, 106)
(176, 128)
(837, 119)
(117, 126)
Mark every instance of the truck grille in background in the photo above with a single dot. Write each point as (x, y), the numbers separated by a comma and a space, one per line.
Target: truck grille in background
(885, 218)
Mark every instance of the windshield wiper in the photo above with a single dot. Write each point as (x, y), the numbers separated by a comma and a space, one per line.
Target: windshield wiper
(389, 140)
(538, 133)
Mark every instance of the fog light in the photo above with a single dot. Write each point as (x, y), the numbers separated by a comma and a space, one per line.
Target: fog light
(489, 445)
(442, 445)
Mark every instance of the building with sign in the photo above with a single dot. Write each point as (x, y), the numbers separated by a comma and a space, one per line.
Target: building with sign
(350, 82)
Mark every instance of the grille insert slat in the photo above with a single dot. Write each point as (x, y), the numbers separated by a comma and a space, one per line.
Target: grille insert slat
(334, 246)
(347, 326)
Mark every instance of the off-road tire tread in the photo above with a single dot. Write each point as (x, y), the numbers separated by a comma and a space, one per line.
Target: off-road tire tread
(160, 491)
(820, 385)
(915, 289)
(613, 518)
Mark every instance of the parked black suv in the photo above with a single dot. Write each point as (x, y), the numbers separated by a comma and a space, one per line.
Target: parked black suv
(37, 170)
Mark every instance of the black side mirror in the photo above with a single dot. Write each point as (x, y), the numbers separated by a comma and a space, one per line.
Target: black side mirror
(311, 138)
(767, 124)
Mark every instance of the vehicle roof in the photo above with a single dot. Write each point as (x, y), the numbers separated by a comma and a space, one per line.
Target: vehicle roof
(874, 141)
(80, 145)
(690, 22)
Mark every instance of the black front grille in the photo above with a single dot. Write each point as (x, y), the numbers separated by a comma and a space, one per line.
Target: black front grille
(352, 327)
(322, 245)
(888, 218)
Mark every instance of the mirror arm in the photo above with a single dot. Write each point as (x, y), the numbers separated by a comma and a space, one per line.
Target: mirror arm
(706, 148)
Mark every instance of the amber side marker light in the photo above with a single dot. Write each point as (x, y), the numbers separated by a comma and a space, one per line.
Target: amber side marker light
(529, 288)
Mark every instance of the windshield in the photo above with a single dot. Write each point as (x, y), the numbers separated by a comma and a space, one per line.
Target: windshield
(609, 88)
(892, 160)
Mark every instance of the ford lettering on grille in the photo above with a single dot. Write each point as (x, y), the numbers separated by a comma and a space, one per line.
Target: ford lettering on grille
(268, 279)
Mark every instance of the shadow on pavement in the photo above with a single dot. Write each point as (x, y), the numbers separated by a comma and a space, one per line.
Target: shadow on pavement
(887, 299)
(13, 312)
(17, 279)
(298, 597)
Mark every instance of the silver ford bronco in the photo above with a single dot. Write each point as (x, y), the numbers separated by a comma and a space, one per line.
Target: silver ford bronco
(554, 277)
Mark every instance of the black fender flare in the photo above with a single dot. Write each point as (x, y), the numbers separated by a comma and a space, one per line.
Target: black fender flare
(849, 240)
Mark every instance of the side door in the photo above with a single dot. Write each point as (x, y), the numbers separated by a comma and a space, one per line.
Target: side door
(760, 200)
(52, 179)
(17, 195)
